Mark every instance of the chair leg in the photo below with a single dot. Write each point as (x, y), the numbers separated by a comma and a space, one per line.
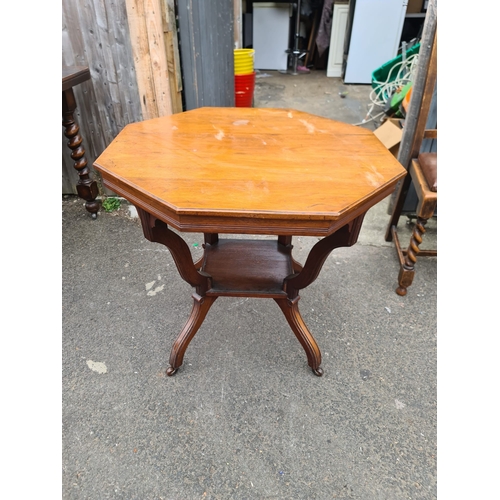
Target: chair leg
(402, 193)
(407, 269)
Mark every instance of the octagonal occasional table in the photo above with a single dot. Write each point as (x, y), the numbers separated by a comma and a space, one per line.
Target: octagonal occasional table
(249, 171)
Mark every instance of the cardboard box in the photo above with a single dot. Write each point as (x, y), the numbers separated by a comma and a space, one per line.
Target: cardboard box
(414, 6)
(390, 134)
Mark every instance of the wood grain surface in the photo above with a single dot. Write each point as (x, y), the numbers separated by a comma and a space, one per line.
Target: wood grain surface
(216, 169)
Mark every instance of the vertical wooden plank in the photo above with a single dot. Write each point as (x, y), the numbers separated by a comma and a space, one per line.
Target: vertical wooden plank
(206, 44)
(120, 65)
(206, 51)
(186, 45)
(172, 23)
(238, 24)
(103, 67)
(159, 69)
(226, 55)
(142, 59)
(227, 58)
(410, 141)
(80, 24)
(172, 52)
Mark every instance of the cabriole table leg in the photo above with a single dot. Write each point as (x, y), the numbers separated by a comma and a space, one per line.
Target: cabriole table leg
(201, 305)
(157, 231)
(344, 237)
(290, 309)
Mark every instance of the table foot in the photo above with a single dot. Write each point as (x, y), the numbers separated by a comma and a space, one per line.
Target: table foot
(290, 309)
(201, 305)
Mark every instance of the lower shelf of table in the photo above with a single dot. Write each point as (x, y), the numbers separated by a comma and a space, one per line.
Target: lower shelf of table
(247, 268)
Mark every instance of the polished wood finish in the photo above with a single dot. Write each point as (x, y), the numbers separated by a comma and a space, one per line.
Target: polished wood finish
(249, 171)
(247, 268)
(425, 210)
(74, 76)
(86, 187)
(427, 195)
(201, 305)
(257, 171)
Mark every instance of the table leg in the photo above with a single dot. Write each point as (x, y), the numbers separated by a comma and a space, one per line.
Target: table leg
(210, 239)
(344, 237)
(157, 231)
(201, 305)
(286, 241)
(87, 188)
(290, 309)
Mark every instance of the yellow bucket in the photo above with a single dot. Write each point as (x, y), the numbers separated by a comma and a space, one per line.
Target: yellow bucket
(243, 61)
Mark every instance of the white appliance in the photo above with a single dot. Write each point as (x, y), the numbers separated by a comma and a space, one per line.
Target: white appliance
(337, 37)
(271, 25)
(375, 37)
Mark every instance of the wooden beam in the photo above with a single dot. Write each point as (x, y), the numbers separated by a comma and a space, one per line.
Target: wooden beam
(172, 51)
(142, 60)
(150, 59)
(238, 24)
(430, 134)
(158, 56)
(411, 140)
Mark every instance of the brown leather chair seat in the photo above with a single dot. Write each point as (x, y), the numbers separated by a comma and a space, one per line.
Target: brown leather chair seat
(428, 164)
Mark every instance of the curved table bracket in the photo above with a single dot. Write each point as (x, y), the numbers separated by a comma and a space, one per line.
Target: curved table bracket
(346, 236)
(157, 231)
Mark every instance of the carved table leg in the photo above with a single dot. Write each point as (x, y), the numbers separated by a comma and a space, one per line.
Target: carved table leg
(158, 232)
(87, 188)
(344, 237)
(407, 270)
(201, 305)
(286, 241)
(210, 239)
(290, 309)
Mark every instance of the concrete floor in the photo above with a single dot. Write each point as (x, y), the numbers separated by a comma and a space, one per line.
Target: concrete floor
(314, 93)
(245, 418)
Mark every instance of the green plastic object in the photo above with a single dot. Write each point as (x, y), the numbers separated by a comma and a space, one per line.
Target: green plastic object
(381, 74)
(398, 97)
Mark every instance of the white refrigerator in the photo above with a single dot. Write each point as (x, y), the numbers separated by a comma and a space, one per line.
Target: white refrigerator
(271, 27)
(375, 37)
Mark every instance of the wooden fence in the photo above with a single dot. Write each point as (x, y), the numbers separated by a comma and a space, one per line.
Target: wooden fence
(131, 50)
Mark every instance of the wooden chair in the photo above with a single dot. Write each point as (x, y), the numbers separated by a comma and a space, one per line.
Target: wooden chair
(422, 170)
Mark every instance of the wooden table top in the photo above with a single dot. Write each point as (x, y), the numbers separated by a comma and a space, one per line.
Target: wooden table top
(250, 170)
(74, 75)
